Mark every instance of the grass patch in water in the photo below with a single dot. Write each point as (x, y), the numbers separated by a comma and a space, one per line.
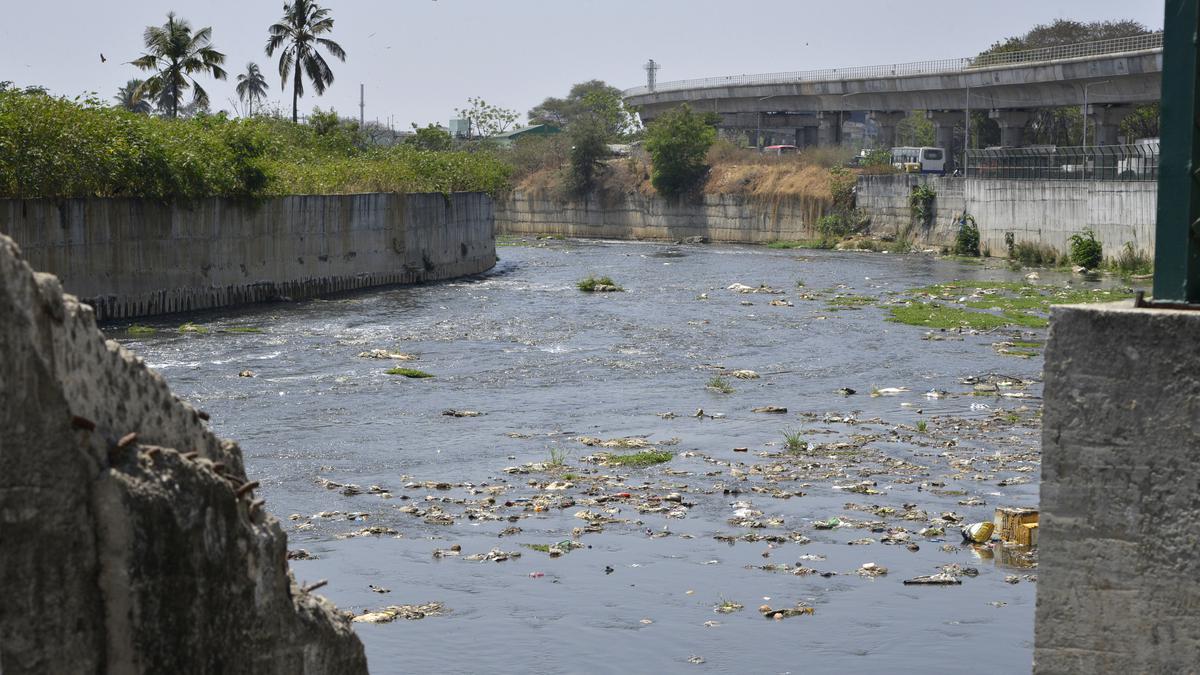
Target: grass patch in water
(922, 426)
(720, 384)
(1026, 344)
(243, 329)
(850, 301)
(637, 459)
(138, 329)
(811, 243)
(1022, 353)
(408, 372)
(541, 548)
(933, 315)
(593, 284)
(793, 440)
(190, 327)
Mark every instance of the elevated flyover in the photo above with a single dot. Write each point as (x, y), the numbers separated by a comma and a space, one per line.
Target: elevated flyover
(1109, 76)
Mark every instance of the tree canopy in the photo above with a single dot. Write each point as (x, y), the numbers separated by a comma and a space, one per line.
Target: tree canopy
(1067, 32)
(593, 100)
(678, 143)
(176, 54)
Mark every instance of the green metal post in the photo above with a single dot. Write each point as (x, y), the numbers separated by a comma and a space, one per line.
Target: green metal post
(1177, 235)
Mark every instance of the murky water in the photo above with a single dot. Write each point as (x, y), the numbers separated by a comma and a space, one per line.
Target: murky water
(546, 364)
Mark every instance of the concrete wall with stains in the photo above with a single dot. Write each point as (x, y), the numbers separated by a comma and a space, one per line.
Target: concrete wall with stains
(133, 257)
(1041, 211)
(1120, 504)
(719, 218)
(132, 539)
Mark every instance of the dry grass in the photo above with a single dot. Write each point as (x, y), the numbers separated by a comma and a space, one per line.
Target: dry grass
(789, 178)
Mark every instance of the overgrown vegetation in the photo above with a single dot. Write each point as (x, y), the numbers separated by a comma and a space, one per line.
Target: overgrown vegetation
(1086, 250)
(966, 241)
(920, 203)
(1131, 261)
(1031, 254)
(987, 305)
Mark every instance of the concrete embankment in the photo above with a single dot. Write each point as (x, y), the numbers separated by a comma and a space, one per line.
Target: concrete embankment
(1039, 211)
(131, 257)
(719, 218)
(132, 539)
(1044, 212)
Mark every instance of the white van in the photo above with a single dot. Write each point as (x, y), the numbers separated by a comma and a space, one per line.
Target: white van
(919, 160)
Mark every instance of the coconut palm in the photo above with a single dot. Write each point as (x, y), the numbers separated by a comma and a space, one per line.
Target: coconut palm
(251, 86)
(175, 54)
(130, 97)
(296, 36)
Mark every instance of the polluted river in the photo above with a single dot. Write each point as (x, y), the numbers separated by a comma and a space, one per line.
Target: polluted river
(610, 482)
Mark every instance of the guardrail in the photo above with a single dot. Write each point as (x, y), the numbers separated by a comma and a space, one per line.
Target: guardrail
(1136, 43)
(1101, 162)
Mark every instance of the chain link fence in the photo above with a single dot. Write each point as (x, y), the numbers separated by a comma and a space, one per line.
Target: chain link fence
(1103, 162)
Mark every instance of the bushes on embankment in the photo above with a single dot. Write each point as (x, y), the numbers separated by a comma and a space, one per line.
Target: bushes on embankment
(54, 147)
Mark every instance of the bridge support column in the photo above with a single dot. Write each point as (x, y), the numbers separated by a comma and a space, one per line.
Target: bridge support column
(1012, 126)
(1105, 121)
(829, 128)
(943, 132)
(886, 123)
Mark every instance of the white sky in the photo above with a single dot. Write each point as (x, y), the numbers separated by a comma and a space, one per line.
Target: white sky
(419, 59)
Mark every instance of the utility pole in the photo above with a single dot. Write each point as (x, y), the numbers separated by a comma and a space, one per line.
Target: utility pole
(651, 68)
(361, 103)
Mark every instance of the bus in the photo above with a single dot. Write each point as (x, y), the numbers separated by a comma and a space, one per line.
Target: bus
(919, 160)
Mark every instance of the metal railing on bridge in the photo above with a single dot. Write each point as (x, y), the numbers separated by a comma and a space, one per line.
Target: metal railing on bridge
(1135, 43)
(1102, 162)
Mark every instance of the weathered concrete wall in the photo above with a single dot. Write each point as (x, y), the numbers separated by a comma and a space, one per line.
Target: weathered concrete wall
(724, 218)
(1048, 212)
(131, 257)
(1120, 502)
(148, 556)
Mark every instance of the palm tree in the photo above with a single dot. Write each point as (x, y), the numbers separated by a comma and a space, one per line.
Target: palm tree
(175, 53)
(297, 34)
(251, 86)
(130, 97)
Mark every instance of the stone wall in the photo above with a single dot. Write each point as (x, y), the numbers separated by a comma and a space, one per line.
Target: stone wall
(1045, 211)
(132, 257)
(721, 218)
(1120, 492)
(131, 539)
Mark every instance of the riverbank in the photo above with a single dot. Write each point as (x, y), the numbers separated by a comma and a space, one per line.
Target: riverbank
(134, 257)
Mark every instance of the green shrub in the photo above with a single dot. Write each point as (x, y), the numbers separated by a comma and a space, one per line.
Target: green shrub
(678, 143)
(593, 284)
(966, 242)
(1086, 250)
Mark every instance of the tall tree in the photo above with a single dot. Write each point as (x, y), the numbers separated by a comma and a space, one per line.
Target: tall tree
(297, 36)
(175, 54)
(589, 100)
(251, 87)
(130, 97)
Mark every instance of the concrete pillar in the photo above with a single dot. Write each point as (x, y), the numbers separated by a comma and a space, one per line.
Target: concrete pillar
(943, 132)
(1117, 563)
(886, 123)
(1012, 126)
(1105, 123)
(829, 128)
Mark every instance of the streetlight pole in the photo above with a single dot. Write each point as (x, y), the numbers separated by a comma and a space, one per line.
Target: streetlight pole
(758, 130)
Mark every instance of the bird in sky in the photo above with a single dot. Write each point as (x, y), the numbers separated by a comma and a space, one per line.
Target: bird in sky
(102, 59)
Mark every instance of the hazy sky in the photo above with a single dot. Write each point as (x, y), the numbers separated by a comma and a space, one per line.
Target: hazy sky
(419, 59)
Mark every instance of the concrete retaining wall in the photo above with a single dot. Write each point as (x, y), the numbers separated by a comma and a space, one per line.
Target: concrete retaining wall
(1120, 508)
(131, 257)
(723, 218)
(148, 554)
(1047, 212)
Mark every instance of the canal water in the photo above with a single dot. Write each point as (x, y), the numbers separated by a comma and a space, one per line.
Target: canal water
(545, 365)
